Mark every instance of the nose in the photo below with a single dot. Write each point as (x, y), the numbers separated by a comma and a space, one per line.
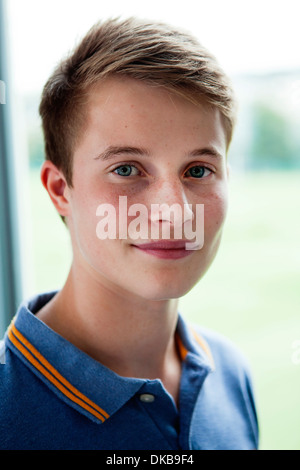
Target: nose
(169, 204)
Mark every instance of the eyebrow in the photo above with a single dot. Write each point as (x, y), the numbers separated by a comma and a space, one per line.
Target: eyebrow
(114, 151)
(210, 151)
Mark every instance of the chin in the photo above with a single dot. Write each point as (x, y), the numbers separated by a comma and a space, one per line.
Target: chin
(160, 290)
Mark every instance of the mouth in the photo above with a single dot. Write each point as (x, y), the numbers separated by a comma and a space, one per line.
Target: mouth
(165, 249)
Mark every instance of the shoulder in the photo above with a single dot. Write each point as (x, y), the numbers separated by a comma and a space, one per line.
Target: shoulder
(228, 391)
(231, 365)
(225, 353)
(232, 370)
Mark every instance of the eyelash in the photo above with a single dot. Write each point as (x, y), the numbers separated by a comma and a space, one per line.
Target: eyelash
(134, 166)
(125, 165)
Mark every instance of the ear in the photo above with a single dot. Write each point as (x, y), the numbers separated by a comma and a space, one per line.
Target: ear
(55, 183)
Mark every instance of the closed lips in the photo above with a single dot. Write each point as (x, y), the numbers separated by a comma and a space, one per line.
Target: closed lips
(162, 245)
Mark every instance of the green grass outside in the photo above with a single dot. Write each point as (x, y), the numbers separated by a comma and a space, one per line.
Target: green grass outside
(251, 293)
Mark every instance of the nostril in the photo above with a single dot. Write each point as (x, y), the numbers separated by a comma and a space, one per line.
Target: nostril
(165, 212)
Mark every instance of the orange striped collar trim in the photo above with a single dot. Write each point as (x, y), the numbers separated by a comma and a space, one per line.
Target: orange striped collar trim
(202, 343)
(52, 375)
(205, 347)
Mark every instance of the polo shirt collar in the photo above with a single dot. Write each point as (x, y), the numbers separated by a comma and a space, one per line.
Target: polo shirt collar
(76, 378)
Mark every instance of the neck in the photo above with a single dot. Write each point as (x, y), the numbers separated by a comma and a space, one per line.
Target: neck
(130, 335)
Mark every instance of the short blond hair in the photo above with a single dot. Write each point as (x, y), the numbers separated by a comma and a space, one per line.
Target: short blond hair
(153, 52)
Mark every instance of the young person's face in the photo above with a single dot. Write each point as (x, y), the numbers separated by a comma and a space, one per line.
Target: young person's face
(153, 147)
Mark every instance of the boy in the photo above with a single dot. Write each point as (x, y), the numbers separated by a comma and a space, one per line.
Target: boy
(142, 112)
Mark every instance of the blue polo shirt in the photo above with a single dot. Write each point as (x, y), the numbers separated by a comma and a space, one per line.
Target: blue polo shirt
(54, 396)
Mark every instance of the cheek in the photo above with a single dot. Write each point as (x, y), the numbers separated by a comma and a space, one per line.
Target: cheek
(99, 212)
(87, 198)
(215, 211)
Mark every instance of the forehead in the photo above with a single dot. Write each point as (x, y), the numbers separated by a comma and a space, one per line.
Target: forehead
(130, 110)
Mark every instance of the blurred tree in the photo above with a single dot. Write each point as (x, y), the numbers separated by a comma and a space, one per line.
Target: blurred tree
(273, 144)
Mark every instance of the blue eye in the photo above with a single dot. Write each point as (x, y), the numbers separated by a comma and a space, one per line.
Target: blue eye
(198, 171)
(125, 170)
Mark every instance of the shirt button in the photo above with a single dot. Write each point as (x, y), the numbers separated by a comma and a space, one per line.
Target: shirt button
(147, 398)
